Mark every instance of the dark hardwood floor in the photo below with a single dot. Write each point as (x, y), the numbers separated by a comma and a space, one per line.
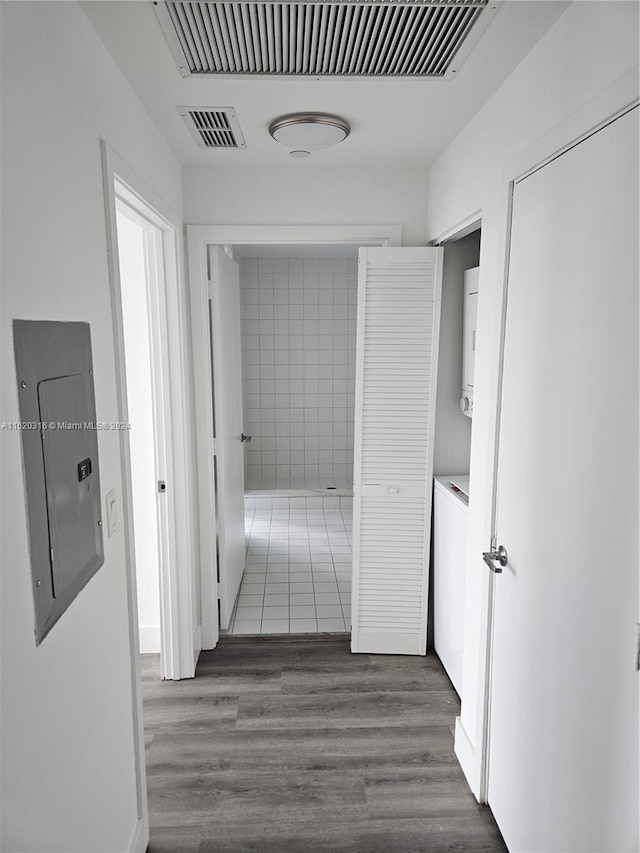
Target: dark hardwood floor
(295, 745)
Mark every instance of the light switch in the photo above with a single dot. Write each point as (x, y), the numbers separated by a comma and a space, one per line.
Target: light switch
(112, 513)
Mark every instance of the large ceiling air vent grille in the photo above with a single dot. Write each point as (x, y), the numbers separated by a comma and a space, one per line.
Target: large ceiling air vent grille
(213, 127)
(323, 38)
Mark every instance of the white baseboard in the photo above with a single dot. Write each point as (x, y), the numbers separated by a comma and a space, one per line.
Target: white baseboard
(149, 639)
(140, 838)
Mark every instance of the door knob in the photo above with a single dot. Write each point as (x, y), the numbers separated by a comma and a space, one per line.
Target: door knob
(244, 437)
(500, 555)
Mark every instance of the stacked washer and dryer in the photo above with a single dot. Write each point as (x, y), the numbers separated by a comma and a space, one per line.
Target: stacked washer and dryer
(450, 518)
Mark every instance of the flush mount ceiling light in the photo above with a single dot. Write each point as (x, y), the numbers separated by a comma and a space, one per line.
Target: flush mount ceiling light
(303, 133)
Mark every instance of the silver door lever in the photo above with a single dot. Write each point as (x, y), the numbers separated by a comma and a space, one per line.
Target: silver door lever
(491, 556)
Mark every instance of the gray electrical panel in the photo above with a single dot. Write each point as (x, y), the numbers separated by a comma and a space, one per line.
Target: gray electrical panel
(60, 460)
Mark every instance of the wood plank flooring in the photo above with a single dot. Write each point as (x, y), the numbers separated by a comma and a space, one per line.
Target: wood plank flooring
(294, 745)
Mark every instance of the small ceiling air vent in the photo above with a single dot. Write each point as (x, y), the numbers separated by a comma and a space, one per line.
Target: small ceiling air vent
(425, 39)
(213, 127)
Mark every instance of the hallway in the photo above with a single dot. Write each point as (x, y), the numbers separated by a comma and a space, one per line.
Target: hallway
(293, 744)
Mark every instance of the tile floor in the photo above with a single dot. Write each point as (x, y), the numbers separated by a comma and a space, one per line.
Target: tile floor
(298, 573)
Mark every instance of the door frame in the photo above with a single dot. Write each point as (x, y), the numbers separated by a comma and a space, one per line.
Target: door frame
(199, 238)
(179, 643)
(472, 732)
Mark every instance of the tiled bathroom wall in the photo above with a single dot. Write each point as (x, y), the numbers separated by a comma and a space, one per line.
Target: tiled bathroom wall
(298, 365)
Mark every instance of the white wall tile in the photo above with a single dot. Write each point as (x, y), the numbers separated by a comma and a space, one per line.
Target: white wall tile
(298, 331)
(249, 312)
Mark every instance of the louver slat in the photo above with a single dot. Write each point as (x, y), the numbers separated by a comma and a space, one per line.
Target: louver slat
(388, 38)
(398, 322)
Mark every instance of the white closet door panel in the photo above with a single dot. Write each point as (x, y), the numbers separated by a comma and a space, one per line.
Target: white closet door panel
(398, 319)
(563, 745)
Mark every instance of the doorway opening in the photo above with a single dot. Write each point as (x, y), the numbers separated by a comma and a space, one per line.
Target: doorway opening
(141, 264)
(297, 336)
(452, 447)
(298, 333)
(300, 330)
(249, 244)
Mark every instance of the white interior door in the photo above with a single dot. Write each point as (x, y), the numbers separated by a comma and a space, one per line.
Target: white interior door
(396, 369)
(563, 754)
(224, 293)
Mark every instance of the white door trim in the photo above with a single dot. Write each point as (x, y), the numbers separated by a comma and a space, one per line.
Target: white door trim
(466, 226)
(199, 238)
(472, 741)
(177, 611)
(382, 235)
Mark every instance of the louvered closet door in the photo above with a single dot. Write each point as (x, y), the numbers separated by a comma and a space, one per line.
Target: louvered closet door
(396, 368)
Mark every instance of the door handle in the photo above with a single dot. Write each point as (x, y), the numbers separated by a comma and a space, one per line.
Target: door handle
(500, 555)
(244, 437)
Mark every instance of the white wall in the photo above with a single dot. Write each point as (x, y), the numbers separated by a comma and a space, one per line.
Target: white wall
(298, 321)
(556, 93)
(302, 195)
(68, 759)
(135, 311)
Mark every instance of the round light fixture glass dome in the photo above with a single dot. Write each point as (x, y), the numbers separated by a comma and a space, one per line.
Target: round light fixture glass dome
(307, 132)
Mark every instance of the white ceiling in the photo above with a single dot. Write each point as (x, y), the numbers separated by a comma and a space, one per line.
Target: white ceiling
(400, 123)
